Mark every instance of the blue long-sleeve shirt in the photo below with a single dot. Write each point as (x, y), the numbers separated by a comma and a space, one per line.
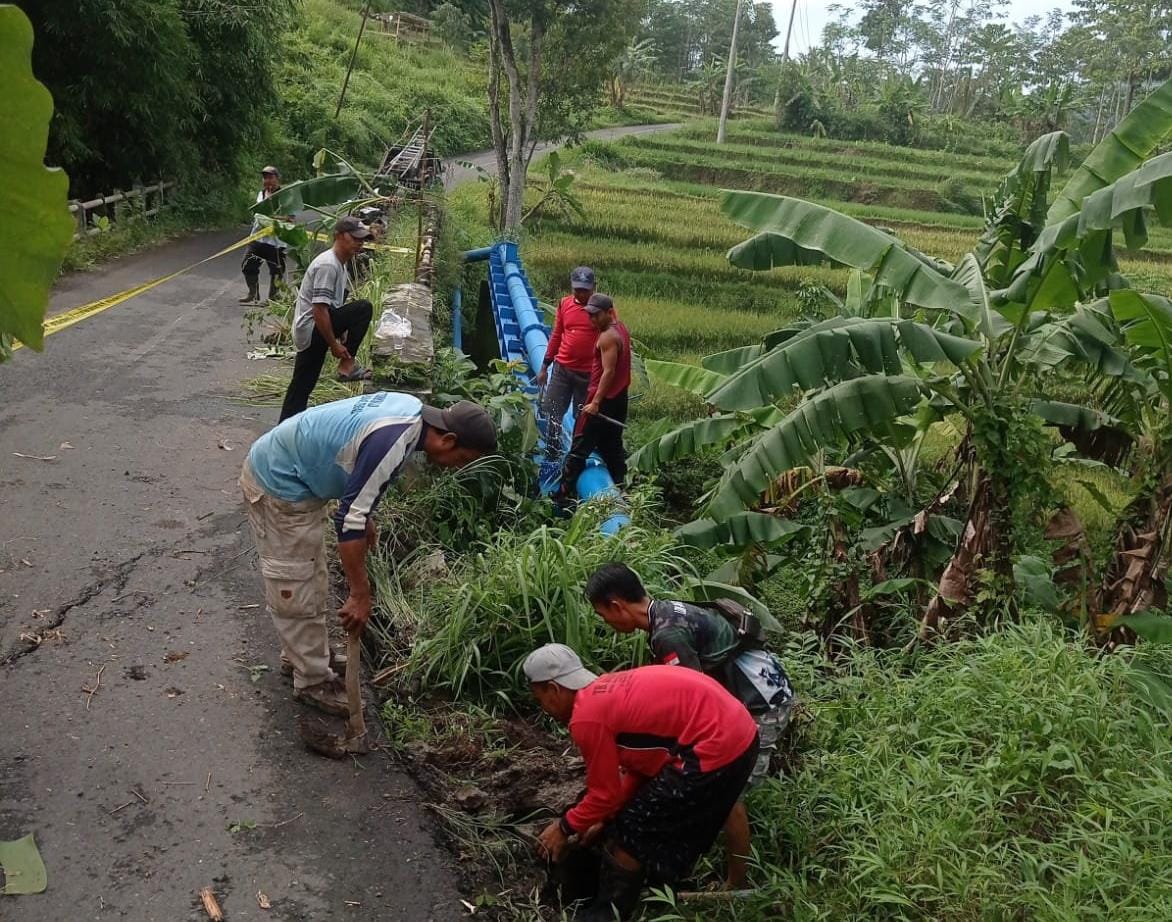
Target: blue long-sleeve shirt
(349, 450)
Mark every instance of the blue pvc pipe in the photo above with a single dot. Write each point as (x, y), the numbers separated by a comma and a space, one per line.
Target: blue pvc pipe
(523, 336)
(458, 319)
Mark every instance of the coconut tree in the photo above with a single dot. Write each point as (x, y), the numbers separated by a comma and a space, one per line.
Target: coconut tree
(979, 339)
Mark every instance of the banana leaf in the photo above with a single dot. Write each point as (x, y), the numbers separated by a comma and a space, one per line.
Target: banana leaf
(1071, 415)
(1146, 323)
(690, 438)
(1132, 142)
(35, 224)
(692, 378)
(321, 192)
(740, 530)
(842, 347)
(1081, 336)
(792, 230)
(725, 363)
(868, 404)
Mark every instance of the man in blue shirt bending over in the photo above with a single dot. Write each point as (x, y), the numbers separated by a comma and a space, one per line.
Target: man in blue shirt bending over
(351, 451)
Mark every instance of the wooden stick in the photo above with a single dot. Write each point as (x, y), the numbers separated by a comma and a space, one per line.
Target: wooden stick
(93, 691)
(715, 896)
(139, 796)
(207, 787)
(121, 807)
(211, 907)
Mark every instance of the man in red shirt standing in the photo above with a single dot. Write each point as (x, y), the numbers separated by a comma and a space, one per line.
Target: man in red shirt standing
(570, 352)
(599, 426)
(667, 752)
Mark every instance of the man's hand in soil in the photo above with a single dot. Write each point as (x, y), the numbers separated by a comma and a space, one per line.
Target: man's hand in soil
(552, 842)
(590, 836)
(371, 535)
(355, 613)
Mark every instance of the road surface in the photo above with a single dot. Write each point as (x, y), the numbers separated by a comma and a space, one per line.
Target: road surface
(124, 552)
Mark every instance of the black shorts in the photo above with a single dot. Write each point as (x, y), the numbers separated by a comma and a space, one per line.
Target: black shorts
(674, 818)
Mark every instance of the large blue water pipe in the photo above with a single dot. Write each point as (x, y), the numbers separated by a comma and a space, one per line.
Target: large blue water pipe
(523, 337)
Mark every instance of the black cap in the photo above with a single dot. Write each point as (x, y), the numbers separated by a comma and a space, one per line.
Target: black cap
(599, 303)
(468, 421)
(582, 277)
(352, 226)
(271, 169)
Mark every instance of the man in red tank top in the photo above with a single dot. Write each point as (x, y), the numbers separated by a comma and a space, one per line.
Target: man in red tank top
(599, 426)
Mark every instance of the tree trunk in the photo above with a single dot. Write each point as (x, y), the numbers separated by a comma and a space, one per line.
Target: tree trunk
(1134, 579)
(511, 148)
(499, 141)
(982, 544)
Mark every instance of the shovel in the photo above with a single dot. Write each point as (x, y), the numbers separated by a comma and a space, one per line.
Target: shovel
(317, 738)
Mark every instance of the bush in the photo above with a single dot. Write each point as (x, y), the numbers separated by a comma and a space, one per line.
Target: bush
(476, 625)
(1015, 776)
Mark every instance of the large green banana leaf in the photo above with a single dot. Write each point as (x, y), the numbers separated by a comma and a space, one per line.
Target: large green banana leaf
(740, 530)
(791, 230)
(35, 225)
(1146, 322)
(869, 404)
(1072, 415)
(1081, 336)
(843, 347)
(688, 439)
(731, 360)
(1074, 257)
(1132, 142)
(1020, 207)
(321, 192)
(693, 378)
(991, 324)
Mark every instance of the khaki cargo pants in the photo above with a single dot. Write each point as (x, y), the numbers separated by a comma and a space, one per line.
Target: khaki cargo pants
(290, 539)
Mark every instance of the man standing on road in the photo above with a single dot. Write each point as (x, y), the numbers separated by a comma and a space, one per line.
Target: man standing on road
(600, 424)
(667, 754)
(570, 353)
(349, 450)
(323, 323)
(268, 250)
(683, 634)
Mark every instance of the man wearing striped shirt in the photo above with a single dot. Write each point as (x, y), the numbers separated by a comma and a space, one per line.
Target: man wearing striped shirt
(351, 451)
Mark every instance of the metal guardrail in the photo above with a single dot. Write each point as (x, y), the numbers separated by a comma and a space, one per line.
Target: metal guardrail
(106, 205)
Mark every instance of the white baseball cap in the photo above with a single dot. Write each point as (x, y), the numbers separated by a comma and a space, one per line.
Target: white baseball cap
(555, 662)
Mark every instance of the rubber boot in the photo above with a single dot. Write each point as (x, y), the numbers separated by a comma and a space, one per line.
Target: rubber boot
(618, 895)
(253, 291)
(274, 287)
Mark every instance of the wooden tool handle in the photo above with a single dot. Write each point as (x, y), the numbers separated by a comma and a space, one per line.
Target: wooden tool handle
(357, 725)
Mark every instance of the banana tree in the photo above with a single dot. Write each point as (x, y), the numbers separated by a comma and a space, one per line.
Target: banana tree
(979, 340)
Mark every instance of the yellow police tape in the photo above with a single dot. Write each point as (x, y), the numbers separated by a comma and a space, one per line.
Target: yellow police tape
(326, 238)
(60, 322)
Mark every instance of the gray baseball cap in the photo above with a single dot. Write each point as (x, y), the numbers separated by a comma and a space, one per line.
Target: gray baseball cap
(582, 277)
(270, 169)
(599, 303)
(555, 662)
(352, 226)
(469, 421)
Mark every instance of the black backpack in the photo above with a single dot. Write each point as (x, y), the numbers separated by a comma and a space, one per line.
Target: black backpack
(750, 631)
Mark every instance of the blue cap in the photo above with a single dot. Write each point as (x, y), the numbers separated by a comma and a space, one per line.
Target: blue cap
(582, 277)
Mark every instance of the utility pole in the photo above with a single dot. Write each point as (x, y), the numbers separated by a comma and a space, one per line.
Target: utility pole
(788, 32)
(784, 58)
(728, 77)
(353, 55)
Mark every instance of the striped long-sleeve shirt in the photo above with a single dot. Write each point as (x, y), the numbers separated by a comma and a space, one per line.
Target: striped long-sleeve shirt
(349, 450)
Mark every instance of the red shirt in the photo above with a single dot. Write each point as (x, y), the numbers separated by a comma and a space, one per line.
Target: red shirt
(622, 371)
(571, 344)
(629, 725)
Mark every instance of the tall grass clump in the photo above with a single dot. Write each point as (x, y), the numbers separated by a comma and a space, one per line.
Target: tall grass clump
(1011, 776)
(520, 590)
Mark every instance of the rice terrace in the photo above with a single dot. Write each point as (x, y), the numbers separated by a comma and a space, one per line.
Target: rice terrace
(663, 460)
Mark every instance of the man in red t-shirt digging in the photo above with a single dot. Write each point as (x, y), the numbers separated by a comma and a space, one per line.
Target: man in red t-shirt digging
(570, 353)
(603, 416)
(667, 752)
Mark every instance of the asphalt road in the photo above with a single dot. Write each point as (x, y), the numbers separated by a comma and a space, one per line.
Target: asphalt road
(124, 551)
